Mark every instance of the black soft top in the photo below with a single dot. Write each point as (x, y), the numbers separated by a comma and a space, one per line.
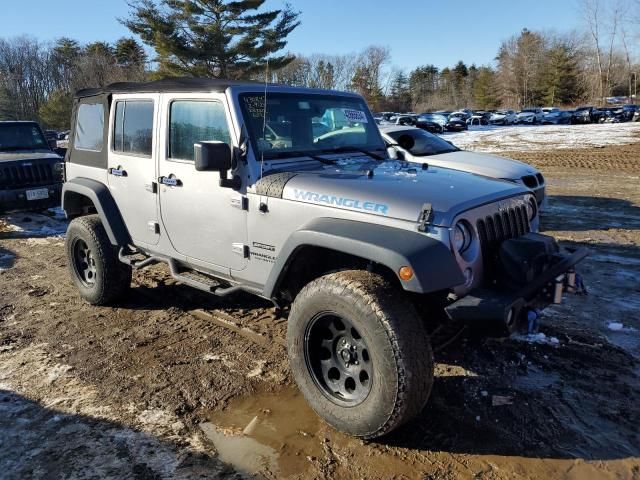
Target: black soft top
(181, 84)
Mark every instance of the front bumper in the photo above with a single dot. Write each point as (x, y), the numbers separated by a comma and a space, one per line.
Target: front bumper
(16, 199)
(510, 307)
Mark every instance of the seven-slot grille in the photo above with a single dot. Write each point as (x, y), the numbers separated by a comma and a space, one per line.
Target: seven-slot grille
(26, 174)
(494, 229)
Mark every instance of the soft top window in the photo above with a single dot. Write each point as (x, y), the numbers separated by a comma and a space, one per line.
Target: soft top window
(89, 127)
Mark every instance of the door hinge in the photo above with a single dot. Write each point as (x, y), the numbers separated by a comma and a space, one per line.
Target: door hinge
(425, 217)
(154, 227)
(240, 202)
(240, 249)
(151, 187)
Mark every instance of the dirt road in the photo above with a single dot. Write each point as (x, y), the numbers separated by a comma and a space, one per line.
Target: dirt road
(162, 385)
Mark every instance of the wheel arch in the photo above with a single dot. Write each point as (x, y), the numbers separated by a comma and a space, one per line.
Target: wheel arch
(81, 196)
(364, 245)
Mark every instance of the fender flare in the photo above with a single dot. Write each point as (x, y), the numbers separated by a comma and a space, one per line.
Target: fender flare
(433, 263)
(103, 202)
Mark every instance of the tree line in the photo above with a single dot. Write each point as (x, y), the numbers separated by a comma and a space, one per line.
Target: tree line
(240, 39)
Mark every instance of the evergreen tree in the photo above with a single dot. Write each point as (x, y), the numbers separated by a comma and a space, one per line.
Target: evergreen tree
(560, 83)
(400, 94)
(485, 92)
(56, 111)
(129, 53)
(213, 38)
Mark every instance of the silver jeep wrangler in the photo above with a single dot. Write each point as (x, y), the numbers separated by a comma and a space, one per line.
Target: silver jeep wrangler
(290, 194)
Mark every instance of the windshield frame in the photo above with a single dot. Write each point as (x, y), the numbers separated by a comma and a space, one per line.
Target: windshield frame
(289, 154)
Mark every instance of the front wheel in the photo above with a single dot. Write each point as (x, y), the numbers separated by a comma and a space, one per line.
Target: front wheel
(359, 353)
(93, 262)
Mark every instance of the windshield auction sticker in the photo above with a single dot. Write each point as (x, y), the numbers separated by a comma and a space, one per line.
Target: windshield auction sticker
(354, 115)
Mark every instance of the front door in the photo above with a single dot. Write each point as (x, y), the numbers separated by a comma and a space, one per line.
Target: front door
(132, 165)
(204, 221)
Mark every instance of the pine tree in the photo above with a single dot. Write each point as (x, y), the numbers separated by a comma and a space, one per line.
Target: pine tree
(560, 78)
(129, 53)
(485, 92)
(400, 94)
(56, 111)
(213, 38)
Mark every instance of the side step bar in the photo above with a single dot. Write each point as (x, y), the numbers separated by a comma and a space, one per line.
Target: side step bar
(192, 278)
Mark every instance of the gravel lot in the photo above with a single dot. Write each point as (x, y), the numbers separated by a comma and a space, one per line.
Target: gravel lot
(162, 385)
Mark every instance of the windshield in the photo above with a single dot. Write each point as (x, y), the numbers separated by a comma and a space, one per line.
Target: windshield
(21, 136)
(421, 143)
(299, 124)
(528, 110)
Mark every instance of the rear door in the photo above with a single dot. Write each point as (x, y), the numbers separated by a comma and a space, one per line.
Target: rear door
(132, 164)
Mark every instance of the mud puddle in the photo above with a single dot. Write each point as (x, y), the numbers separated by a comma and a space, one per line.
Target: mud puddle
(272, 432)
(277, 435)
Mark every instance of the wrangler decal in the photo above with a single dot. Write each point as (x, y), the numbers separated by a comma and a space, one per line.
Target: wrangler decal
(341, 201)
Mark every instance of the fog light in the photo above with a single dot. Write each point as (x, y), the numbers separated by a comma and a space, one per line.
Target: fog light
(405, 273)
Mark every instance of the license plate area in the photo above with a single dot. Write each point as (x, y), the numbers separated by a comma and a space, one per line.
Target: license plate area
(38, 194)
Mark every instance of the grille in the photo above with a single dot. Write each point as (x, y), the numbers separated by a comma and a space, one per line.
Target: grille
(495, 229)
(530, 181)
(21, 175)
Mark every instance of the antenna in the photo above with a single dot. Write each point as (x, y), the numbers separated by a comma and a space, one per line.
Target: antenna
(264, 117)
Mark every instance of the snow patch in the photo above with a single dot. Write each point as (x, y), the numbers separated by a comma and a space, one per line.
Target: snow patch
(546, 137)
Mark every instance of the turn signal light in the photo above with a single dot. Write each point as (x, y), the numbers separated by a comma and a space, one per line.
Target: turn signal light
(405, 273)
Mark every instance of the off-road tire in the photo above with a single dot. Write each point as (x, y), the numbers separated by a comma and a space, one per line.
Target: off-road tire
(112, 278)
(399, 350)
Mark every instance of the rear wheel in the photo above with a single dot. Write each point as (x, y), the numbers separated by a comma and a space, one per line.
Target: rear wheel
(93, 262)
(359, 353)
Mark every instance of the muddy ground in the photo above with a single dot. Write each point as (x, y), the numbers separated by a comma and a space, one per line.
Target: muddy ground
(162, 385)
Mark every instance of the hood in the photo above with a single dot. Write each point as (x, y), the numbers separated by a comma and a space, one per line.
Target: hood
(480, 164)
(396, 189)
(26, 156)
(526, 114)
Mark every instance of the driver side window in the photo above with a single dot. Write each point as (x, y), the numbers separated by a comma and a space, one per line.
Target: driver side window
(193, 121)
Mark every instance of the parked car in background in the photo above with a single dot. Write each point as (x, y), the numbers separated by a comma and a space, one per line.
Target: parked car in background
(462, 114)
(629, 112)
(558, 117)
(586, 115)
(456, 124)
(404, 119)
(431, 122)
(503, 117)
(480, 117)
(30, 170)
(531, 116)
(416, 145)
(548, 110)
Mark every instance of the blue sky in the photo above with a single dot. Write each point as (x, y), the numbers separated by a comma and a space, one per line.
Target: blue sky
(417, 31)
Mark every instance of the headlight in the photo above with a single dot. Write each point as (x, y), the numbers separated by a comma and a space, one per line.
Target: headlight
(461, 237)
(532, 208)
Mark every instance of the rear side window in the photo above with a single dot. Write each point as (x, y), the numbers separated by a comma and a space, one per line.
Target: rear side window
(89, 127)
(133, 127)
(192, 122)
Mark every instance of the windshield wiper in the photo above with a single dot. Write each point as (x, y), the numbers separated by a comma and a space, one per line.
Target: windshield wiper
(347, 149)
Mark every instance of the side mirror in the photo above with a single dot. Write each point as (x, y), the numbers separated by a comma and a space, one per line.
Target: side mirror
(212, 156)
(216, 157)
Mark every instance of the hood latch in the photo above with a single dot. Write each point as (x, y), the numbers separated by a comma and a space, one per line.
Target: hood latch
(425, 217)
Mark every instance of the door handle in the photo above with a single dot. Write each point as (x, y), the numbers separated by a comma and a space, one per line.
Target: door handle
(118, 172)
(170, 181)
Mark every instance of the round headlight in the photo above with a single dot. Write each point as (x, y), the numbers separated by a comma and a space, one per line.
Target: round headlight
(532, 208)
(461, 237)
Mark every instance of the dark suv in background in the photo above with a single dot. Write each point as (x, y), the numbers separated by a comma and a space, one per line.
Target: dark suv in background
(30, 168)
